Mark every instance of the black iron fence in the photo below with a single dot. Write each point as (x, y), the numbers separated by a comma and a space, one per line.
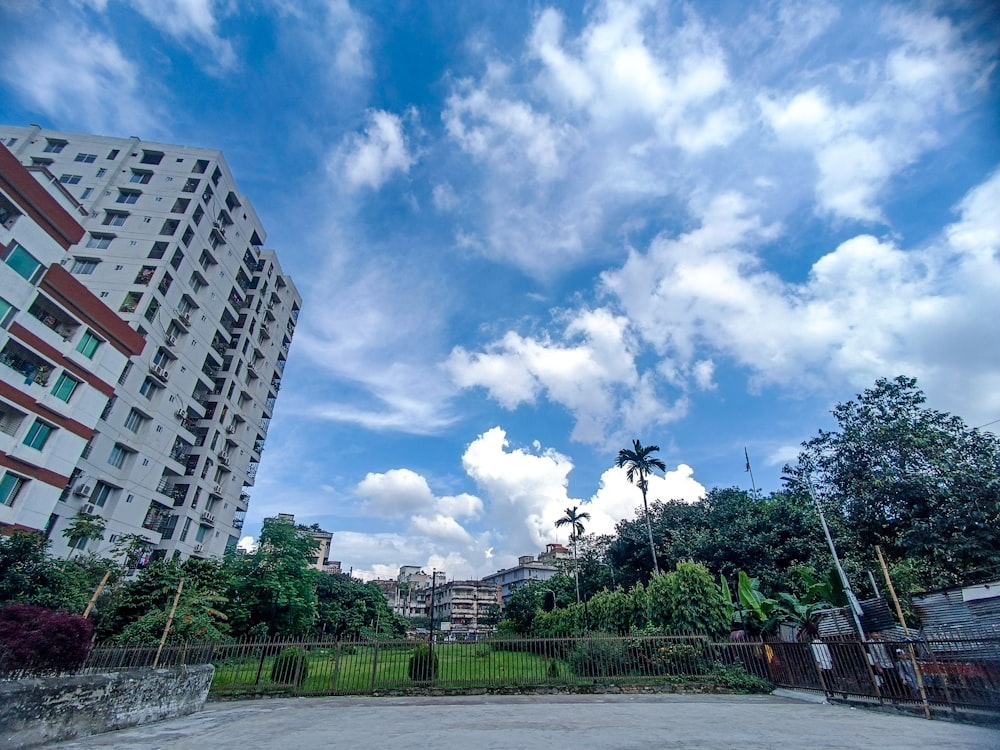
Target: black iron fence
(939, 673)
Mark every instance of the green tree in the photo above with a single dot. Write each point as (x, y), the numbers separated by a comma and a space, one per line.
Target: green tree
(688, 600)
(639, 464)
(574, 518)
(85, 527)
(611, 611)
(28, 575)
(349, 608)
(273, 589)
(914, 480)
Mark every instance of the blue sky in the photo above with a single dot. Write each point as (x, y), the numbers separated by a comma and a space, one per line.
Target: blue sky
(526, 233)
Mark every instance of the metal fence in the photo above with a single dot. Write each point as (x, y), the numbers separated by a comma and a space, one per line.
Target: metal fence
(949, 673)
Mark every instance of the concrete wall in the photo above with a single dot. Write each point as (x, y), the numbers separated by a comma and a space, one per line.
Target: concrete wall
(48, 709)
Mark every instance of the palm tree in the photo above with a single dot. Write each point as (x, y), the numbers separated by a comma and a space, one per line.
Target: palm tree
(640, 464)
(574, 520)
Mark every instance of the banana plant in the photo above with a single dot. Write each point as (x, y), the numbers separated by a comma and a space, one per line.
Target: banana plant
(765, 613)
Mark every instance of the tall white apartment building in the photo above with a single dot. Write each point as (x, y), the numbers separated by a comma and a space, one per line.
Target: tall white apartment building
(177, 252)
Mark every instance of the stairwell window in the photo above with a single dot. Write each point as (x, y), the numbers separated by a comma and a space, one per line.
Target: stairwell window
(38, 435)
(65, 387)
(10, 486)
(88, 345)
(24, 263)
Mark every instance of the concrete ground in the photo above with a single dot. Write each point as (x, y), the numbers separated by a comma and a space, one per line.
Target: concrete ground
(580, 722)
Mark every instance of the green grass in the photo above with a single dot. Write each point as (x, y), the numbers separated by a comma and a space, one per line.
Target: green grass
(365, 669)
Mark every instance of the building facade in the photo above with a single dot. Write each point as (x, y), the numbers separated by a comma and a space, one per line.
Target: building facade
(466, 609)
(528, 569)
(61, 349)
(177, 252)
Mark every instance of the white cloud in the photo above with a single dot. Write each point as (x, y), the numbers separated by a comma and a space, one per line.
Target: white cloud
(441, 528)
(370, 160)
(585, 372)
(445, 198)
(195, 22)
(80, 78)
(332, 35)
(394, 493)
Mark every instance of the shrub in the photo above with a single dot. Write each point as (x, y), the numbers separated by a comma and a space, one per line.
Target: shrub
(37, 640)
(291, 666)
(600, 657)
(735, 677)
(423, 665)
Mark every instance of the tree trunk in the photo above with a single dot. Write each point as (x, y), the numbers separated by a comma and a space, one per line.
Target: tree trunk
(649, 529)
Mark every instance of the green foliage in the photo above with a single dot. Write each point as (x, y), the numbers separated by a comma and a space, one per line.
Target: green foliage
(639, 463)
(349, 608)
(29, 576)
(559, 623)
(916, 481)
(688, 601)
(611, 612)
(274, 586)
(290, 667)
(762, 613)
(84, 526)
(735, 677)
(600, 657)
(423, 666)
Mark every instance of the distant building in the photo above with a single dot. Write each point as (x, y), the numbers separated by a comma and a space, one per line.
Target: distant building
(324, 539)
(461, 607)
(528, 569)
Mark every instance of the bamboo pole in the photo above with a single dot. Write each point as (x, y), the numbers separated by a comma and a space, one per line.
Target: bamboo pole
(902, 621)
(170, 620)
(97, 593)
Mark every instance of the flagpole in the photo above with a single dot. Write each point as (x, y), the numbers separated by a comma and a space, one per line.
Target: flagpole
(752, 483)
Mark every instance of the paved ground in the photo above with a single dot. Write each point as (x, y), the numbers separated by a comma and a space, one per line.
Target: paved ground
(580, 722)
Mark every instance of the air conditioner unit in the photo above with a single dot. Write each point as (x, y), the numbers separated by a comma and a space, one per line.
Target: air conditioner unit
(171, 341)
(217, 489)
(231, 429)
(180, 414)
(199, 548)
(83, 490)
(87, 509)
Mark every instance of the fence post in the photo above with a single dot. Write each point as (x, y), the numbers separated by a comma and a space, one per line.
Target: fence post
(374, 666)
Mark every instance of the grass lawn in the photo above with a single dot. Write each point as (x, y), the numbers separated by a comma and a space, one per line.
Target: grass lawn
(364, 669)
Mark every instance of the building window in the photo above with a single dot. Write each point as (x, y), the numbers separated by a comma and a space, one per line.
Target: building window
(41, 161)
(131, 302)
(86, 158)
(127, 196)
(54, 145)
(7, 311)
(64, 387)
(151, 157)
(154, 307)
(118, 455)
(187, 237)
(101, 172)
(164, 286)
(101, 494)
(114, 218)
(180, 205)
(185, 530)
(38, 435)
(113, 154)
(86, 193)
(159, 248)
(169, 226)
(10, 486)
(200, 166)
(24, 263)
(70, 179)
(141, 176)
(99, 241)
(134, 421)
(88, 345)
(148, 388)
(84, 266)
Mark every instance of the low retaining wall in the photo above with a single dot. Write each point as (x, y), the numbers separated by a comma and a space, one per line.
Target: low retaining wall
(49, 709)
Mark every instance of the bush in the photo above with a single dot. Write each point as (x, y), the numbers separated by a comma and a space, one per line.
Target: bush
(423, 665)
(37, 640)
(291, 666)
(735, 677)
(600, 657)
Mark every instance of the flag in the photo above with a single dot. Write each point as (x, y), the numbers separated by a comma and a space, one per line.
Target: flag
(747, 455)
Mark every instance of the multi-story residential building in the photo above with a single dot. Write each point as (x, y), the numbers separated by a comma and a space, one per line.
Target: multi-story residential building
(177, 252)
(321, 560)
(410, 594)
(61, 349)
(462, 607)
(528, 569)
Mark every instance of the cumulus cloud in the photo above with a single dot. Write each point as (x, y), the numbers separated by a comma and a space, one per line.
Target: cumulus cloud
(371, 159)
(585, 372)
(333, 35)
